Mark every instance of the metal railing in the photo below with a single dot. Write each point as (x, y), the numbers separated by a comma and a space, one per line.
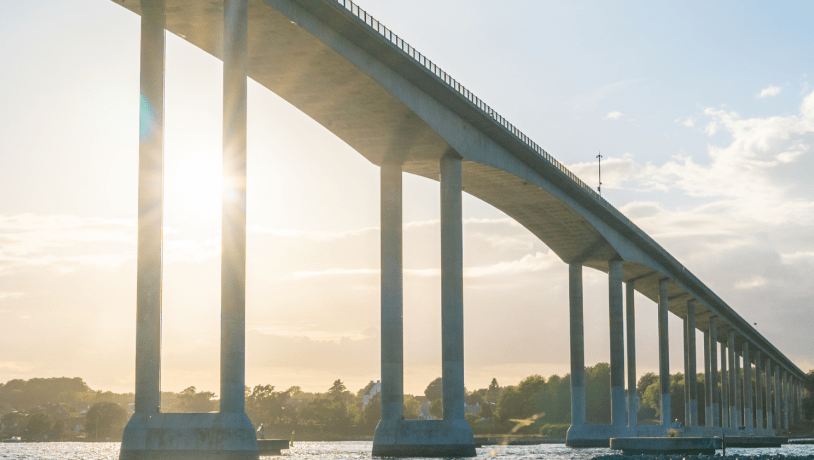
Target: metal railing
(477, 102)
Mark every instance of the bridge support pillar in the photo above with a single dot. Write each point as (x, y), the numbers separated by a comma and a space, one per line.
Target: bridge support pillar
(692, 371)
(228, 434)
(392, 296)
(784, 391)
(715, 419)
(452, 436)
(738, 392)
(732, 384)
(632, 398)
(725, 420)
(748, 420)
(769, 405)
(664, 354)
(617, 344)
(778, 416)
(759, 425)
(707, 382)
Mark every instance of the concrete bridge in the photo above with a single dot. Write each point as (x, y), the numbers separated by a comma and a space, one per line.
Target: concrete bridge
(340, 66)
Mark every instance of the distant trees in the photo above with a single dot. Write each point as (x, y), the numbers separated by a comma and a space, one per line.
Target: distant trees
(105, 420)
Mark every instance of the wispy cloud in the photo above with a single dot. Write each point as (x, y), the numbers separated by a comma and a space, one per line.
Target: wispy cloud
(613, 115)
(528, 263)
(10, 295)
(769, 92)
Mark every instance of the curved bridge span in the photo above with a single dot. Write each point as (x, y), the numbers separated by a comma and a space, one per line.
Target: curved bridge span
(344, 69)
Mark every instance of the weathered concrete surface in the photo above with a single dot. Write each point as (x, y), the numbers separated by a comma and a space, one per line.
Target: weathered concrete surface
(424, 438)
(189, 437)
(665, 445)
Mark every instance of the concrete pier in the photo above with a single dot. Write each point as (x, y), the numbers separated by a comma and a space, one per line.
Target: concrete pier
(227, 434)
(725, 420)
(692, 374)
(150, 210)
(577, 345)
(759, 392)
(685, 332)
(747, 390)
(784, 396)
(632, 398)
(392, 295)
(617, 344)
(733, 382)
(664, 353)
(713, 380)
(769, 405)
(778, 417)
(738, 392)
(452, 436)
(452, 307)
(707, 382)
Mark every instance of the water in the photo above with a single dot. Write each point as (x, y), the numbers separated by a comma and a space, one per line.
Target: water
(342, 451)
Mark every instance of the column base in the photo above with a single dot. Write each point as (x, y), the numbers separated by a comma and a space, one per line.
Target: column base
(596, 435)
(423, 438)
(221, 436)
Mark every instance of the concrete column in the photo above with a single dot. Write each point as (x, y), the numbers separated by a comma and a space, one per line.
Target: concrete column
(725, 420)
(759, 391)
(784, 390)
(233, 253)
(150, 209)
(800, 401)
(693, 377)
(769, 405)
(778, 407)
(577, 344)
(713, 351)
(617, 343)
(738, 392)
(392, 295)
(747, 389)
(632, 399)
(733, 383)
(707, 382)
(452, 312)
(664, 354)
(686, 360)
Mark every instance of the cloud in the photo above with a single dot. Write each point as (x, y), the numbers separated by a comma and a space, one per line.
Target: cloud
(769, 92)
(613, 116)
(527, 264)
(751, 283)
(10, 295)
(64, 243)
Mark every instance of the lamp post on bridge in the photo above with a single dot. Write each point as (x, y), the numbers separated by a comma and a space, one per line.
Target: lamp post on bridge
(599, 188)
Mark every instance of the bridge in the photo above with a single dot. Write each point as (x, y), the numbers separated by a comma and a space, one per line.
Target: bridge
(398, 109)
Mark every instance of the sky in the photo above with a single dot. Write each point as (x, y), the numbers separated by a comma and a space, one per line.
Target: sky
(703, 113)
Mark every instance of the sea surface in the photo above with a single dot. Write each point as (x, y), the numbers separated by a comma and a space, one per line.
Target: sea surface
(343, 450)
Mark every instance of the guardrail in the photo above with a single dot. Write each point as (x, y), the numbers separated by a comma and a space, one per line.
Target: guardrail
(485, 108)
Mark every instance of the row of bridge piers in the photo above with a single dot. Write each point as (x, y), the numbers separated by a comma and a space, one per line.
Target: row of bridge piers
(731, 406)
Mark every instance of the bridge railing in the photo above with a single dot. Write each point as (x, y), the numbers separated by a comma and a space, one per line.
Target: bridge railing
(484, 107)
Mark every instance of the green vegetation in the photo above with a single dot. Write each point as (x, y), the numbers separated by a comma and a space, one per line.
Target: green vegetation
(66, 408)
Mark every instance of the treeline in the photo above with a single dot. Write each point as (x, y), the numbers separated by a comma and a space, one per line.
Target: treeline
(65, 408)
